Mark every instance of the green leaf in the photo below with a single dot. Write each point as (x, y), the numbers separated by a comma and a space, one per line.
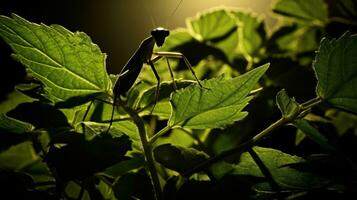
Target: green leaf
(178, 158)
(336, 70)
(314, 134)
(178, 137)
(299, 137)
(293, 39)
(288, 107)
(93, 129)
(68, 64)
(39, 114)
(177, 37)
(125, 166)
(342, 121)
(218, 104)
(277, 162)
(251, 32)
(133, 186)
(13, 99)
(17, 157)
(81, 158)
(302, 10)
(211, 24)
(13, 125)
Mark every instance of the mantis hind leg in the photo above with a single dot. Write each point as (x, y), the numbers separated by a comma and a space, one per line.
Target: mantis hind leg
(86, 114)
(183, 57)
(171, 74)
(157, 84)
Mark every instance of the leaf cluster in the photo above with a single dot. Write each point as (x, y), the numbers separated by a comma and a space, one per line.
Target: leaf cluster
(196, 142)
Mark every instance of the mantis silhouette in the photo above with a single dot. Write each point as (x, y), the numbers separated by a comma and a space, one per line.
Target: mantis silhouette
(145, 55)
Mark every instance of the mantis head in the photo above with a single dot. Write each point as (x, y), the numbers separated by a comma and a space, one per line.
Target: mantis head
(160, 34)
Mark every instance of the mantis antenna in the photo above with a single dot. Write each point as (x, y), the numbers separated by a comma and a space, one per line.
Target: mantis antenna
(173, 12)
(152, 19)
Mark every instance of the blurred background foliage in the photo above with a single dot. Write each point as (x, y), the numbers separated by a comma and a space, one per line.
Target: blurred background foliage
(229, 41)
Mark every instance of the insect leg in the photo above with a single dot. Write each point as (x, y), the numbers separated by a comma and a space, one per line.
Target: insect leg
(179, 56)
(156, 58)
(112, 114)
(158, 83)
(171, 74)
(85, 115)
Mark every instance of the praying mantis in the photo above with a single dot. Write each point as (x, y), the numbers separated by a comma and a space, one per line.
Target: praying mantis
(145, 55)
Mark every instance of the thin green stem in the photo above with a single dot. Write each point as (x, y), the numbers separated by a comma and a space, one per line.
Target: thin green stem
(311, 103)
(257, 138)
(159, 134)
(241, 148)
(147, 151)
(343, 20)
(264, 169)
(115, 120)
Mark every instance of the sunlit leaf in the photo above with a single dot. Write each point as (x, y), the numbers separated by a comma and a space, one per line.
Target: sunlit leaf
(176, 38)
(216, 105)
(211, 24)
(308, 11)
(68, 64)
(177, 137)
(336, 70)
(251, 32)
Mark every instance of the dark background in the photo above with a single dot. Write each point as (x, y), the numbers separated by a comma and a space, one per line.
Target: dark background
(116, 26)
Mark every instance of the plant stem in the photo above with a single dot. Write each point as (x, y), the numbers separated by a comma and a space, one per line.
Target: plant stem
(159, 134)
(243, 147)
(342, 20)
(147, 151)
(264, 169)
(310, 103)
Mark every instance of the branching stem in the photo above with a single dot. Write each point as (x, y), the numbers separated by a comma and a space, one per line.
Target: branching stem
(147, 148)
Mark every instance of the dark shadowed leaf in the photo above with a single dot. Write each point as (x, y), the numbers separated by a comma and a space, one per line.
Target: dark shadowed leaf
(18, 156)
(134, 186)
(80, 158)
(178, 158)
(336, 70)
(14, 125)
(314, 134)
(277, 161)
(288, 107)
(40, 115)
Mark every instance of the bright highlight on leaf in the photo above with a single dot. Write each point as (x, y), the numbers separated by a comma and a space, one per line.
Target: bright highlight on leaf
(302, 10)
(219, 104)
(211, 25)
(336, 70)
(68, 64)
